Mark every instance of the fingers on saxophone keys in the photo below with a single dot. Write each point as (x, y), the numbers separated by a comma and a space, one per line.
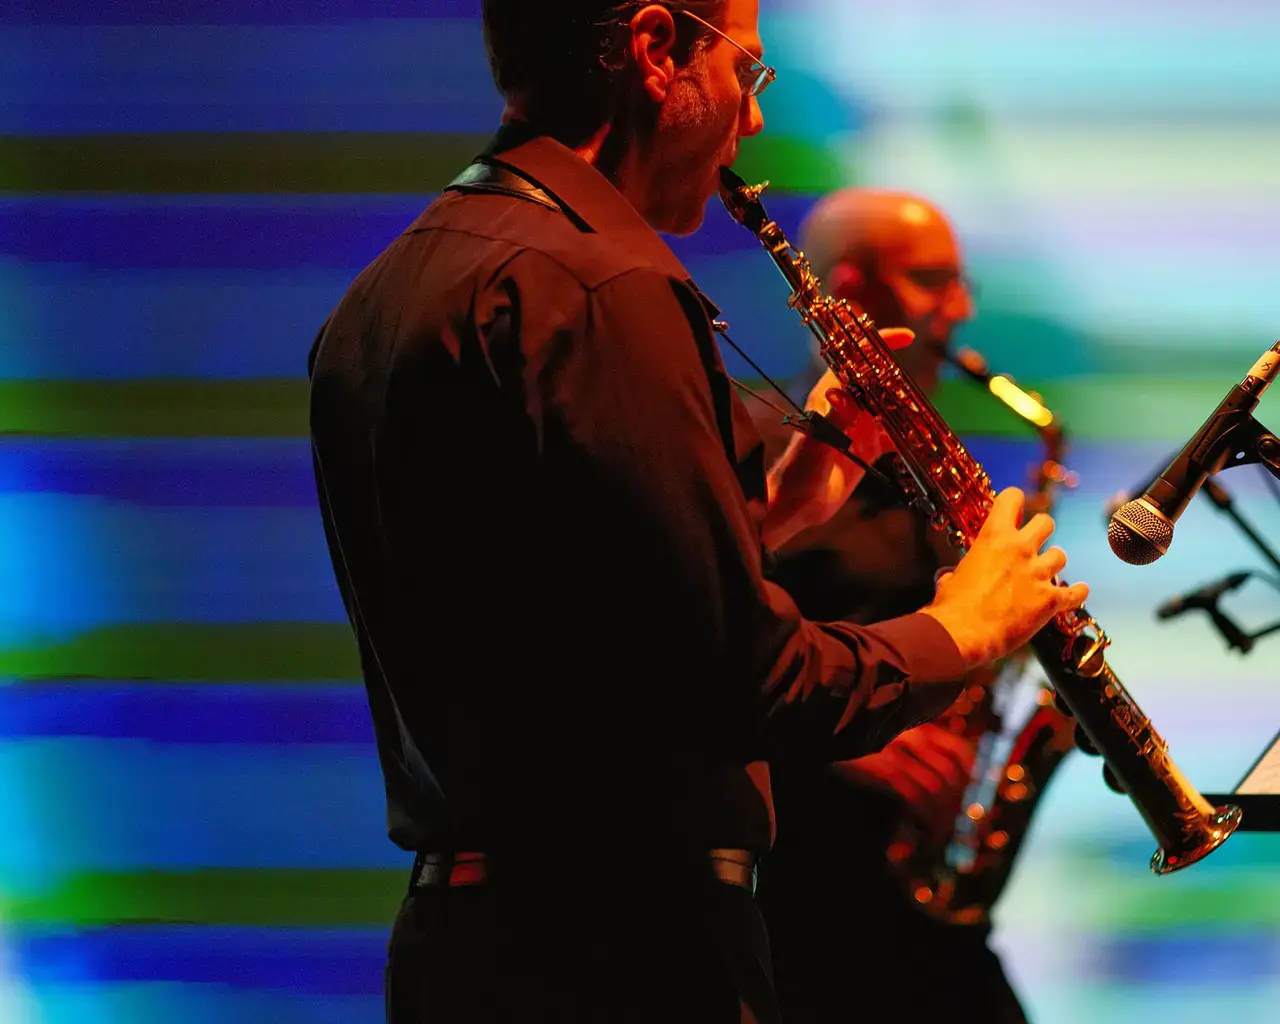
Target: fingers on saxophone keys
(1072, 597)
(1051, 562)
(1007, 507)
(1038, 529)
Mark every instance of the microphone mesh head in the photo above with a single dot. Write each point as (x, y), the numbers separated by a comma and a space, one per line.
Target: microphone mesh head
(1138, 534)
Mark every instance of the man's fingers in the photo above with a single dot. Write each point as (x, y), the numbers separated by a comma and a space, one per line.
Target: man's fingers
(916, 781)
(1072, 597)
(1006, 509)
(1052, 562)
(1039, 529)
(841, 399)
(958, 749)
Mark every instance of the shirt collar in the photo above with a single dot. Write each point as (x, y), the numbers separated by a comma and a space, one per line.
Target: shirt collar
(586, 193)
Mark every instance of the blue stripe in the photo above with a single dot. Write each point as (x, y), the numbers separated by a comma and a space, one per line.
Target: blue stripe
(368, 76)
(342, 232)
(64, 321)
(1161, 959)
(204, 473)
(290, 714)
(345, 962)
(277, 473)
(364, 75)
(79, 805)
(167, 1002)
(225, 12)
(113, 233)
(84, 563)
(89, 292)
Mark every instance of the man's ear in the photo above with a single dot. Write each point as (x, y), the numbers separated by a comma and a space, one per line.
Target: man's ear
(653, 41)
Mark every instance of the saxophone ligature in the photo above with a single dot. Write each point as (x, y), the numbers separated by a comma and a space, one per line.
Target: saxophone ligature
(939, 476)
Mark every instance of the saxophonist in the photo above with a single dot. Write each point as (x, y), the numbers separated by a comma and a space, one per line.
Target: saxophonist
(847, 942)
(545, 510)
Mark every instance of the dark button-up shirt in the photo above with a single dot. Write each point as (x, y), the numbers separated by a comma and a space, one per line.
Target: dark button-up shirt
(543, 497)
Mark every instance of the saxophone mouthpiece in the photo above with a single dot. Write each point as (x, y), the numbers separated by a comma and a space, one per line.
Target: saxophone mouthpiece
(743, 200)
(971, 363)
(729, 180)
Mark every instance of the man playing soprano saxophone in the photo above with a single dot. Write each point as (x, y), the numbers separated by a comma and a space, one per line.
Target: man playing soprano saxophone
(546, 510)
(847, 942)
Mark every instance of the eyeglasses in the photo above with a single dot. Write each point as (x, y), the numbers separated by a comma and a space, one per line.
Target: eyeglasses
(940, 279)
(757, 77)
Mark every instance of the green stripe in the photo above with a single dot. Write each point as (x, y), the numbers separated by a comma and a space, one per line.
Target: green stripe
(1097, 408)
(792, 165)
(217, 897)
(1106, 408)
(305, 162)
(1221, 907)
(155, 408)
(368, 897)
(201, 653)
(235, 163)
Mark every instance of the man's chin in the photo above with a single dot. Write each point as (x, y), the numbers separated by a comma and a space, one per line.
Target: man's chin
(683, 224)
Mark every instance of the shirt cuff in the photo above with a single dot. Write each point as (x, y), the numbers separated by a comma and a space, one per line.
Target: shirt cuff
(928, 652)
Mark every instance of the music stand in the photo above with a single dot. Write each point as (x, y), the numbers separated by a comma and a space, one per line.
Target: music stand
(1258, 793)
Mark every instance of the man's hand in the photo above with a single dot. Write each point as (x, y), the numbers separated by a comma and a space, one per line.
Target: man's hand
(812, 481)
(927, 768)
(1003, 590)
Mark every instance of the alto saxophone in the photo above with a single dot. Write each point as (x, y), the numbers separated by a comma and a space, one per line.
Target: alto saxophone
(958, 876)
(940, 478)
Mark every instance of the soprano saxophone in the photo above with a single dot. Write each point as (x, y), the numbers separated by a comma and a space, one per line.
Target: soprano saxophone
(958, 876)
(941, 479)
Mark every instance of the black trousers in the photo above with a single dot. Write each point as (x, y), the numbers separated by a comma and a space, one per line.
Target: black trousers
(939, 973)
(613, 953)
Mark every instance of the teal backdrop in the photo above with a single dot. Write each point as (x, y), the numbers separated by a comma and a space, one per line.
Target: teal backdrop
(190, 807)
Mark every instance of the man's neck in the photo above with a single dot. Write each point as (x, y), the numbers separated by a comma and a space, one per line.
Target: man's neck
(624, 171)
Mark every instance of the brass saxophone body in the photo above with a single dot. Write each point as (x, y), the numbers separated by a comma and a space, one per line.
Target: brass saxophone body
(940, 478)
(958, 876)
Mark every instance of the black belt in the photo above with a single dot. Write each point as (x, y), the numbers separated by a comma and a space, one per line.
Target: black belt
(736, 867)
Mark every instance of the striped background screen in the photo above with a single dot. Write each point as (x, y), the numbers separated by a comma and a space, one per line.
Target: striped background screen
(191, 824)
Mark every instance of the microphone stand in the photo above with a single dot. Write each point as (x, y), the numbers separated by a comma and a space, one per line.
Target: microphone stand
(1217, 494)
(1249, 444)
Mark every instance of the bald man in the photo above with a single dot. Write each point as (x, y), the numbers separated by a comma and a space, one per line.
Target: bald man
(848, 945)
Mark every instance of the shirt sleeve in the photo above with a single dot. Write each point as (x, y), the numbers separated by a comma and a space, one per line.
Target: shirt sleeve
(631, 385)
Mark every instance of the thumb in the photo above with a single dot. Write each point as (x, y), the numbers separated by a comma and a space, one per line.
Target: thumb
(844, 407)
(898, 337)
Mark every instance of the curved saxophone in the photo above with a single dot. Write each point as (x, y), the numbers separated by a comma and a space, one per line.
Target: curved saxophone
(957, 877)
(940, 478)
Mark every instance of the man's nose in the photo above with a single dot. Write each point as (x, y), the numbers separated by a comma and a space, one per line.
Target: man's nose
(752, 121)
(957, 305)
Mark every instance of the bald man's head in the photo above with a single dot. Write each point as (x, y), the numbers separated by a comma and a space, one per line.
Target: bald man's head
(895, 256)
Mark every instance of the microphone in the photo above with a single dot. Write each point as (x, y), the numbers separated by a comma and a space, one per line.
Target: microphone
(1141, 530)
(1203, 597)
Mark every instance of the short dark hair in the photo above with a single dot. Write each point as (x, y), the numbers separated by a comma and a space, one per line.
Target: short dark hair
(564, 57)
